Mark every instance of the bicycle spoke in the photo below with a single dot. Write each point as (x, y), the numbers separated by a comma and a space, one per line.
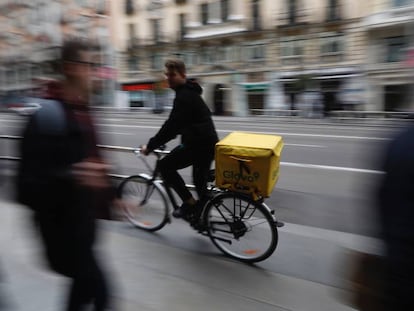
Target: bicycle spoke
(241, 228)
(147, 205)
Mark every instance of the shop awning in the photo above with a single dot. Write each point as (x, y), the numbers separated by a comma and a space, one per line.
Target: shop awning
(256, 86)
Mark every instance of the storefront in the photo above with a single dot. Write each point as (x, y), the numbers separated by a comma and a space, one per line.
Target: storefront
(153, 95)
(338, 88)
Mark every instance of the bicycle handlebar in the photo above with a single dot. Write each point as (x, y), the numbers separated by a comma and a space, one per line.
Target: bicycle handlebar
(155, 151)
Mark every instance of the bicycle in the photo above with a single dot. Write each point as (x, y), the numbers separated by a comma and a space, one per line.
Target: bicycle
(240, 227)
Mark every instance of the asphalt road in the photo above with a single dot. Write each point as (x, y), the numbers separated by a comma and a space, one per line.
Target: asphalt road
(328, 172)
(327, 176)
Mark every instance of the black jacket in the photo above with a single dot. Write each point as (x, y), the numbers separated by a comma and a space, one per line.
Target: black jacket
(191, 118)
(396, 191)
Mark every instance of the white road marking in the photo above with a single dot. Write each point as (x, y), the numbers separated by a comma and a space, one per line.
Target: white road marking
(270, 132)
(116, 133)
(331, 168)
(321, 135)
(302, 145)
(128, 126)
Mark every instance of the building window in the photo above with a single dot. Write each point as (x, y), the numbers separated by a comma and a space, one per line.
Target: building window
(81, 3)
(131, 31)
(230, 54)
(255, 52)
(156, 30)
(36, 71)
(101, 7)
(188, 58)
(224, 6)
(156, 61)
(182, 26)
(332, 44)
(395, 47)
(333, 10)
(208, 55)
(133, 63)
(129, 7)
(204, 13)
(23, 75)
(292, 4)
(398, 3)
(256, 15)
(10, 77)
(291, 47)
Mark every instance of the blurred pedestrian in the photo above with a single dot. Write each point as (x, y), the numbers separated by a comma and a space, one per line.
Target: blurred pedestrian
(63, 178)
(396, 201)
(191, 118)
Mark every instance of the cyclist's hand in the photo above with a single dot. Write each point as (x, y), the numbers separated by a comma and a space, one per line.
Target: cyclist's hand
(91, 173)
(144, 150)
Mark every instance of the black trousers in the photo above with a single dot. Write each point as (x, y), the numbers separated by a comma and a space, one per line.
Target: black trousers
(400, 274)
(68, 234)
(181, 157)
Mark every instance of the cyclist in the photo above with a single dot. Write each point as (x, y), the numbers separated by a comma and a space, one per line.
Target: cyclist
(191, 118)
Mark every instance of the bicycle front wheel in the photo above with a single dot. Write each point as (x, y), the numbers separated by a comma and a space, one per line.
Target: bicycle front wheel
(240, 227)
(146, 206)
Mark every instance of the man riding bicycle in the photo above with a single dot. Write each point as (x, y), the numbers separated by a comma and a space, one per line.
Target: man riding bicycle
(191, 118)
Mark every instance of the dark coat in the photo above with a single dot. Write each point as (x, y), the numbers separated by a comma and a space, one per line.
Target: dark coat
(396, 195)
(191, 118)
(44, 179)
(396, 191)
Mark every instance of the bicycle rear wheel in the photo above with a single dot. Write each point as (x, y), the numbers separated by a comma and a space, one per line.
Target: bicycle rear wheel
(146, 204)
(240, 227)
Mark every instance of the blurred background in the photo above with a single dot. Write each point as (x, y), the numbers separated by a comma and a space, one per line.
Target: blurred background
(332, 77)
(251, 56)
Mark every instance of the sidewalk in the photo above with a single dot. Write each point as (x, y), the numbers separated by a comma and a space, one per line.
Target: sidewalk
(152, 276)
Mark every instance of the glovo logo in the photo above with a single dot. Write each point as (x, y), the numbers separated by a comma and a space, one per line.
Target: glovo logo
(244, 173)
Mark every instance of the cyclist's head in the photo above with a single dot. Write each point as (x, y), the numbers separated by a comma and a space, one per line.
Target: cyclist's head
(175, 72)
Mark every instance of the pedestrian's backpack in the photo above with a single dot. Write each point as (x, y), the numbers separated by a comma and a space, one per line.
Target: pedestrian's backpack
(49, 120)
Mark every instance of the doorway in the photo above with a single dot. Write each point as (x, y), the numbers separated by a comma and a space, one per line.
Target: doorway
(218, 99)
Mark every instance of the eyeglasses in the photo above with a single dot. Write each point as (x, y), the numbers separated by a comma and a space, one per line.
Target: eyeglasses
(82, 62)
(170, 74)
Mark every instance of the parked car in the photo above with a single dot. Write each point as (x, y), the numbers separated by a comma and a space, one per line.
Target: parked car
(19, 104)
(24, 108)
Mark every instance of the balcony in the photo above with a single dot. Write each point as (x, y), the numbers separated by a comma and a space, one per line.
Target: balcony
(333, 15)
(156, 40)
(219, 29)
(297, 18)
(292, 60)
(133, 43)
(400, 16)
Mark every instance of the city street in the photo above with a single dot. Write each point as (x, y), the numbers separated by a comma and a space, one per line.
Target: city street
(324, 197)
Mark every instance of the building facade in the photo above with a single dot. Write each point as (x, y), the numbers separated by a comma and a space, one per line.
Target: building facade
(32, 32)
(250, 55)
(389, 67)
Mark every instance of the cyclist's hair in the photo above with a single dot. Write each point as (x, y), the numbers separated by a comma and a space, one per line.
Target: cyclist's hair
(72, 48)
(175, 65)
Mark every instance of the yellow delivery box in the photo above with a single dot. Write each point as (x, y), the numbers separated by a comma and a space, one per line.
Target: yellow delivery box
(248, 162)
